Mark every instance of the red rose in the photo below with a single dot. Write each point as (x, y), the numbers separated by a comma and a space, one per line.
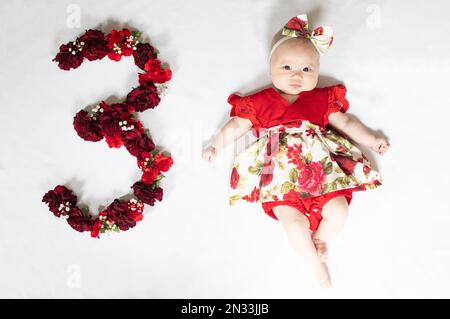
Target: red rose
(144, 97)
(234, 178)
(143, 53)
(155, 73)
(297, 24)
(311, 178)
(345, 163)
(147, 193)
(95, 45)
(162, 163)
(86, 127)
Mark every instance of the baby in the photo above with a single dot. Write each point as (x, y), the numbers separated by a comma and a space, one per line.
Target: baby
(304, 165)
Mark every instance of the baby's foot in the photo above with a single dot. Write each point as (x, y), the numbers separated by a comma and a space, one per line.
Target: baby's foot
(321, 248)
(322, 275)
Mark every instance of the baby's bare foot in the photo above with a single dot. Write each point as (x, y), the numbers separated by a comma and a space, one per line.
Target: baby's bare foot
(322, 274)
(321, 248)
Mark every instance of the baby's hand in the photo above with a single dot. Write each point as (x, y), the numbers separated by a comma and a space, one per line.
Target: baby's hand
(209, 153)
(380, 145)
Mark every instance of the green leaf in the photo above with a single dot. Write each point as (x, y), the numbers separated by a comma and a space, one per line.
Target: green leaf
(329, 168)
(326, 188)
(136, 34)
(307, 158)
(254, 170)
(293, 175)
(338, 170)
(286, 187)
(259, 164)
(333, 186)
(234, 198)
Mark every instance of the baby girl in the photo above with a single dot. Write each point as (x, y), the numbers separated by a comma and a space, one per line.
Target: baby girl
(304, 165)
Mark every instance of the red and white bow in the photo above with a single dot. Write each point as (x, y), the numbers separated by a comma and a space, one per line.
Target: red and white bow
(321, 37)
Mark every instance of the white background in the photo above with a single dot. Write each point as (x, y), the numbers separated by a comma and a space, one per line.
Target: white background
(393, 56)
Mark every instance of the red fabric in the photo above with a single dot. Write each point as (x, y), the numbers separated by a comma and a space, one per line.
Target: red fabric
(268, 108)
(336, 101)
(244, 107)
(311, 207)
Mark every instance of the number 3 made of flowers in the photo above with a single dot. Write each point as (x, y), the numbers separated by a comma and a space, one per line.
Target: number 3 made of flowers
(118, 124)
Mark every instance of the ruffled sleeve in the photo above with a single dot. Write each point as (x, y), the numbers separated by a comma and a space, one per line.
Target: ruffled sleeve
(336, 101)
(244, 107)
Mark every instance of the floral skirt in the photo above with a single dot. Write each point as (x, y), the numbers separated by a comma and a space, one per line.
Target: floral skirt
(299, 160)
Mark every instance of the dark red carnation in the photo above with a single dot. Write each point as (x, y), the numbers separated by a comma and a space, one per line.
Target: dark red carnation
(86, 127)
(109, 119)
(118, 212)
(66, 58)
(78, 221)
(143, 53)
(146, 193)
(95, 45)
(59, 195)
(144, 97)
(137, 142)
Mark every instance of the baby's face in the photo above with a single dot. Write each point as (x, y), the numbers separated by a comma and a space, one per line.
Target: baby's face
(294, 66)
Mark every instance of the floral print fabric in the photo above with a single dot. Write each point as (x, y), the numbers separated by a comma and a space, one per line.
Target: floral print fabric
(299, 159)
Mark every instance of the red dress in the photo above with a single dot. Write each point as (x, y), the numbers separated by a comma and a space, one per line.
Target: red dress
(267, 109)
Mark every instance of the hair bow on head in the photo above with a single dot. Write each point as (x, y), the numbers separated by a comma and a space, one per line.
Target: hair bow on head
(321, 37)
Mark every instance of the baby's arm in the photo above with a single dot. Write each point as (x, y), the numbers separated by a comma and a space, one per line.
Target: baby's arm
(358, 132)
(230, 132)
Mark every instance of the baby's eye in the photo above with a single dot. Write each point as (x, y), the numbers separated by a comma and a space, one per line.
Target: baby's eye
(287, 67)
(306, 69)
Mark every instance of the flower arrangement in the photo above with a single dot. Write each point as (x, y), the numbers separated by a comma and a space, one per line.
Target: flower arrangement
(118, 125)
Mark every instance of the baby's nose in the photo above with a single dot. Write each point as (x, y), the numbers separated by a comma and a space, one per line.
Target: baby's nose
(297, 73)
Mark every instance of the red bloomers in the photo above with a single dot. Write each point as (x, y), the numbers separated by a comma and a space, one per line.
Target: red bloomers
(311, 207)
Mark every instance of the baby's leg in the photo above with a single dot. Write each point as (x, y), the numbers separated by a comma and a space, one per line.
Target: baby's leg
(334, 215)
(296, 226)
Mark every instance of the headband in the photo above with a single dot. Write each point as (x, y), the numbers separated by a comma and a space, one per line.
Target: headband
(321, 37)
